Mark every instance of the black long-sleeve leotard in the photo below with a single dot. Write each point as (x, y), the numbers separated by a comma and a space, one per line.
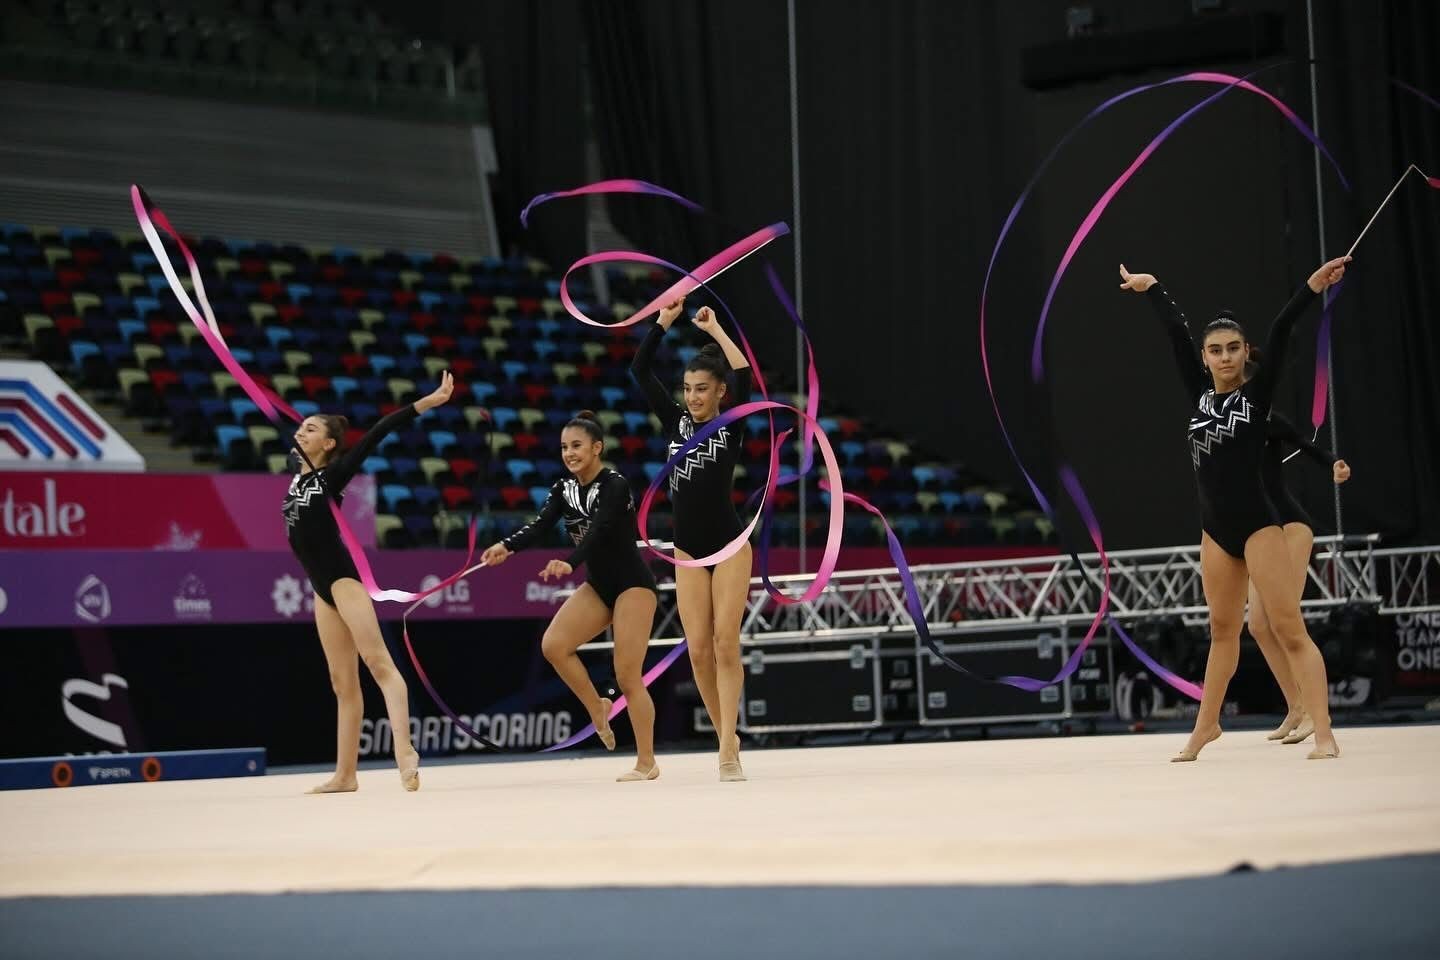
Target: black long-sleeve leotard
(1227, 430)
(600, 519)
(701, 484)
(309, 525)
(1280, 433)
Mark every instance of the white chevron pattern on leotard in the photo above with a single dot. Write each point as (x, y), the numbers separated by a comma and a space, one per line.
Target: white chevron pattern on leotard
(1211, 426)
(579, 527)
(707, 453)
(301, 493)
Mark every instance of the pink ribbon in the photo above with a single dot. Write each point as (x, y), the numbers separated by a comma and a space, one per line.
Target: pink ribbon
(270, 404)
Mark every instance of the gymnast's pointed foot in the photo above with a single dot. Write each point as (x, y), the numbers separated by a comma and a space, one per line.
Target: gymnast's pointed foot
(1197, 742)
(602, 724)
(336, 784)
(1325, 749)
(1287, 726)
(1301, 733)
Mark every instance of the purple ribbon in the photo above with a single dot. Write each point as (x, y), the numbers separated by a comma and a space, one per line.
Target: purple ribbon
(1068, 478)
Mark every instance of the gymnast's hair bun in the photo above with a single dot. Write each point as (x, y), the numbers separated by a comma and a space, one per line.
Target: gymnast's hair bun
(587, 415)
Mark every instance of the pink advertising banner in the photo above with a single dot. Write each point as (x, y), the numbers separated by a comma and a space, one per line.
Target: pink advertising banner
(157, 511)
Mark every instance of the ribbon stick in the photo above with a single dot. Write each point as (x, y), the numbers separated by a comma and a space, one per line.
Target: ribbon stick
(1037, 370)
(1434, 183)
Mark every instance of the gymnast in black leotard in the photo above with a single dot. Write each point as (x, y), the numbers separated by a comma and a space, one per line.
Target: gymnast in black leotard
(713, 599)
(1243, 538)
(598, 510)
(344, 613)
(1280, 437)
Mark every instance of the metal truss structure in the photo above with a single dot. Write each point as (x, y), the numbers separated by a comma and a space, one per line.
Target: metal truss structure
(1048, 590)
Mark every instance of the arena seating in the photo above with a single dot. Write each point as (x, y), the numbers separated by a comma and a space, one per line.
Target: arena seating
(361, 332)
(338, 53)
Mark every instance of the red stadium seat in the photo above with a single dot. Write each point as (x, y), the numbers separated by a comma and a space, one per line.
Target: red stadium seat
(526, 444)
(514, 497)
(352, 297)
(456, 497)
(163, 379)
(402, 298)
(464, 469)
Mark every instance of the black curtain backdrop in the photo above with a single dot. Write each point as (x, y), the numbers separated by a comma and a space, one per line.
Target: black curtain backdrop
(533, 79)
(695, 97)
(1387, 336)
(916, 135)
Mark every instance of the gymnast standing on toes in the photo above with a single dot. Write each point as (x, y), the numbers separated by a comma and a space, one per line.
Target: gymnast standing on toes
(599, 513)
(344, 613)
(1299, 539)
(1243, 539)
(712, 599)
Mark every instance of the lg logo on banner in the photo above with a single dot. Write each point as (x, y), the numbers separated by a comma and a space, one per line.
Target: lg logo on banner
(455, 597)
(92, 599)
(50, 518)
(100, 729)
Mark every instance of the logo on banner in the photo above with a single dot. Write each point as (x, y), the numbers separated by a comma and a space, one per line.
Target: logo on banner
(455, 597)
(544, 592)
(96, 727)
(1417, 637)
(290, 598)
(180, 539)
(4, 600)
(191, 600)
(92, 599)
(48, 518)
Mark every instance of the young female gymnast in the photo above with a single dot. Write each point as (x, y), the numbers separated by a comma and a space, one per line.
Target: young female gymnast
(712, 600)
(599, 513)
(1243, 539)
(344, 613)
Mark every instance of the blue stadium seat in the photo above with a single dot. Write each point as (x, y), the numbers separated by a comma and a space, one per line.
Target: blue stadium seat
(440, 439)
(394, 493)
(80, 349)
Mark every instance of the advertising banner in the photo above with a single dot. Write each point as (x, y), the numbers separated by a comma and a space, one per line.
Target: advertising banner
(158, 511)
